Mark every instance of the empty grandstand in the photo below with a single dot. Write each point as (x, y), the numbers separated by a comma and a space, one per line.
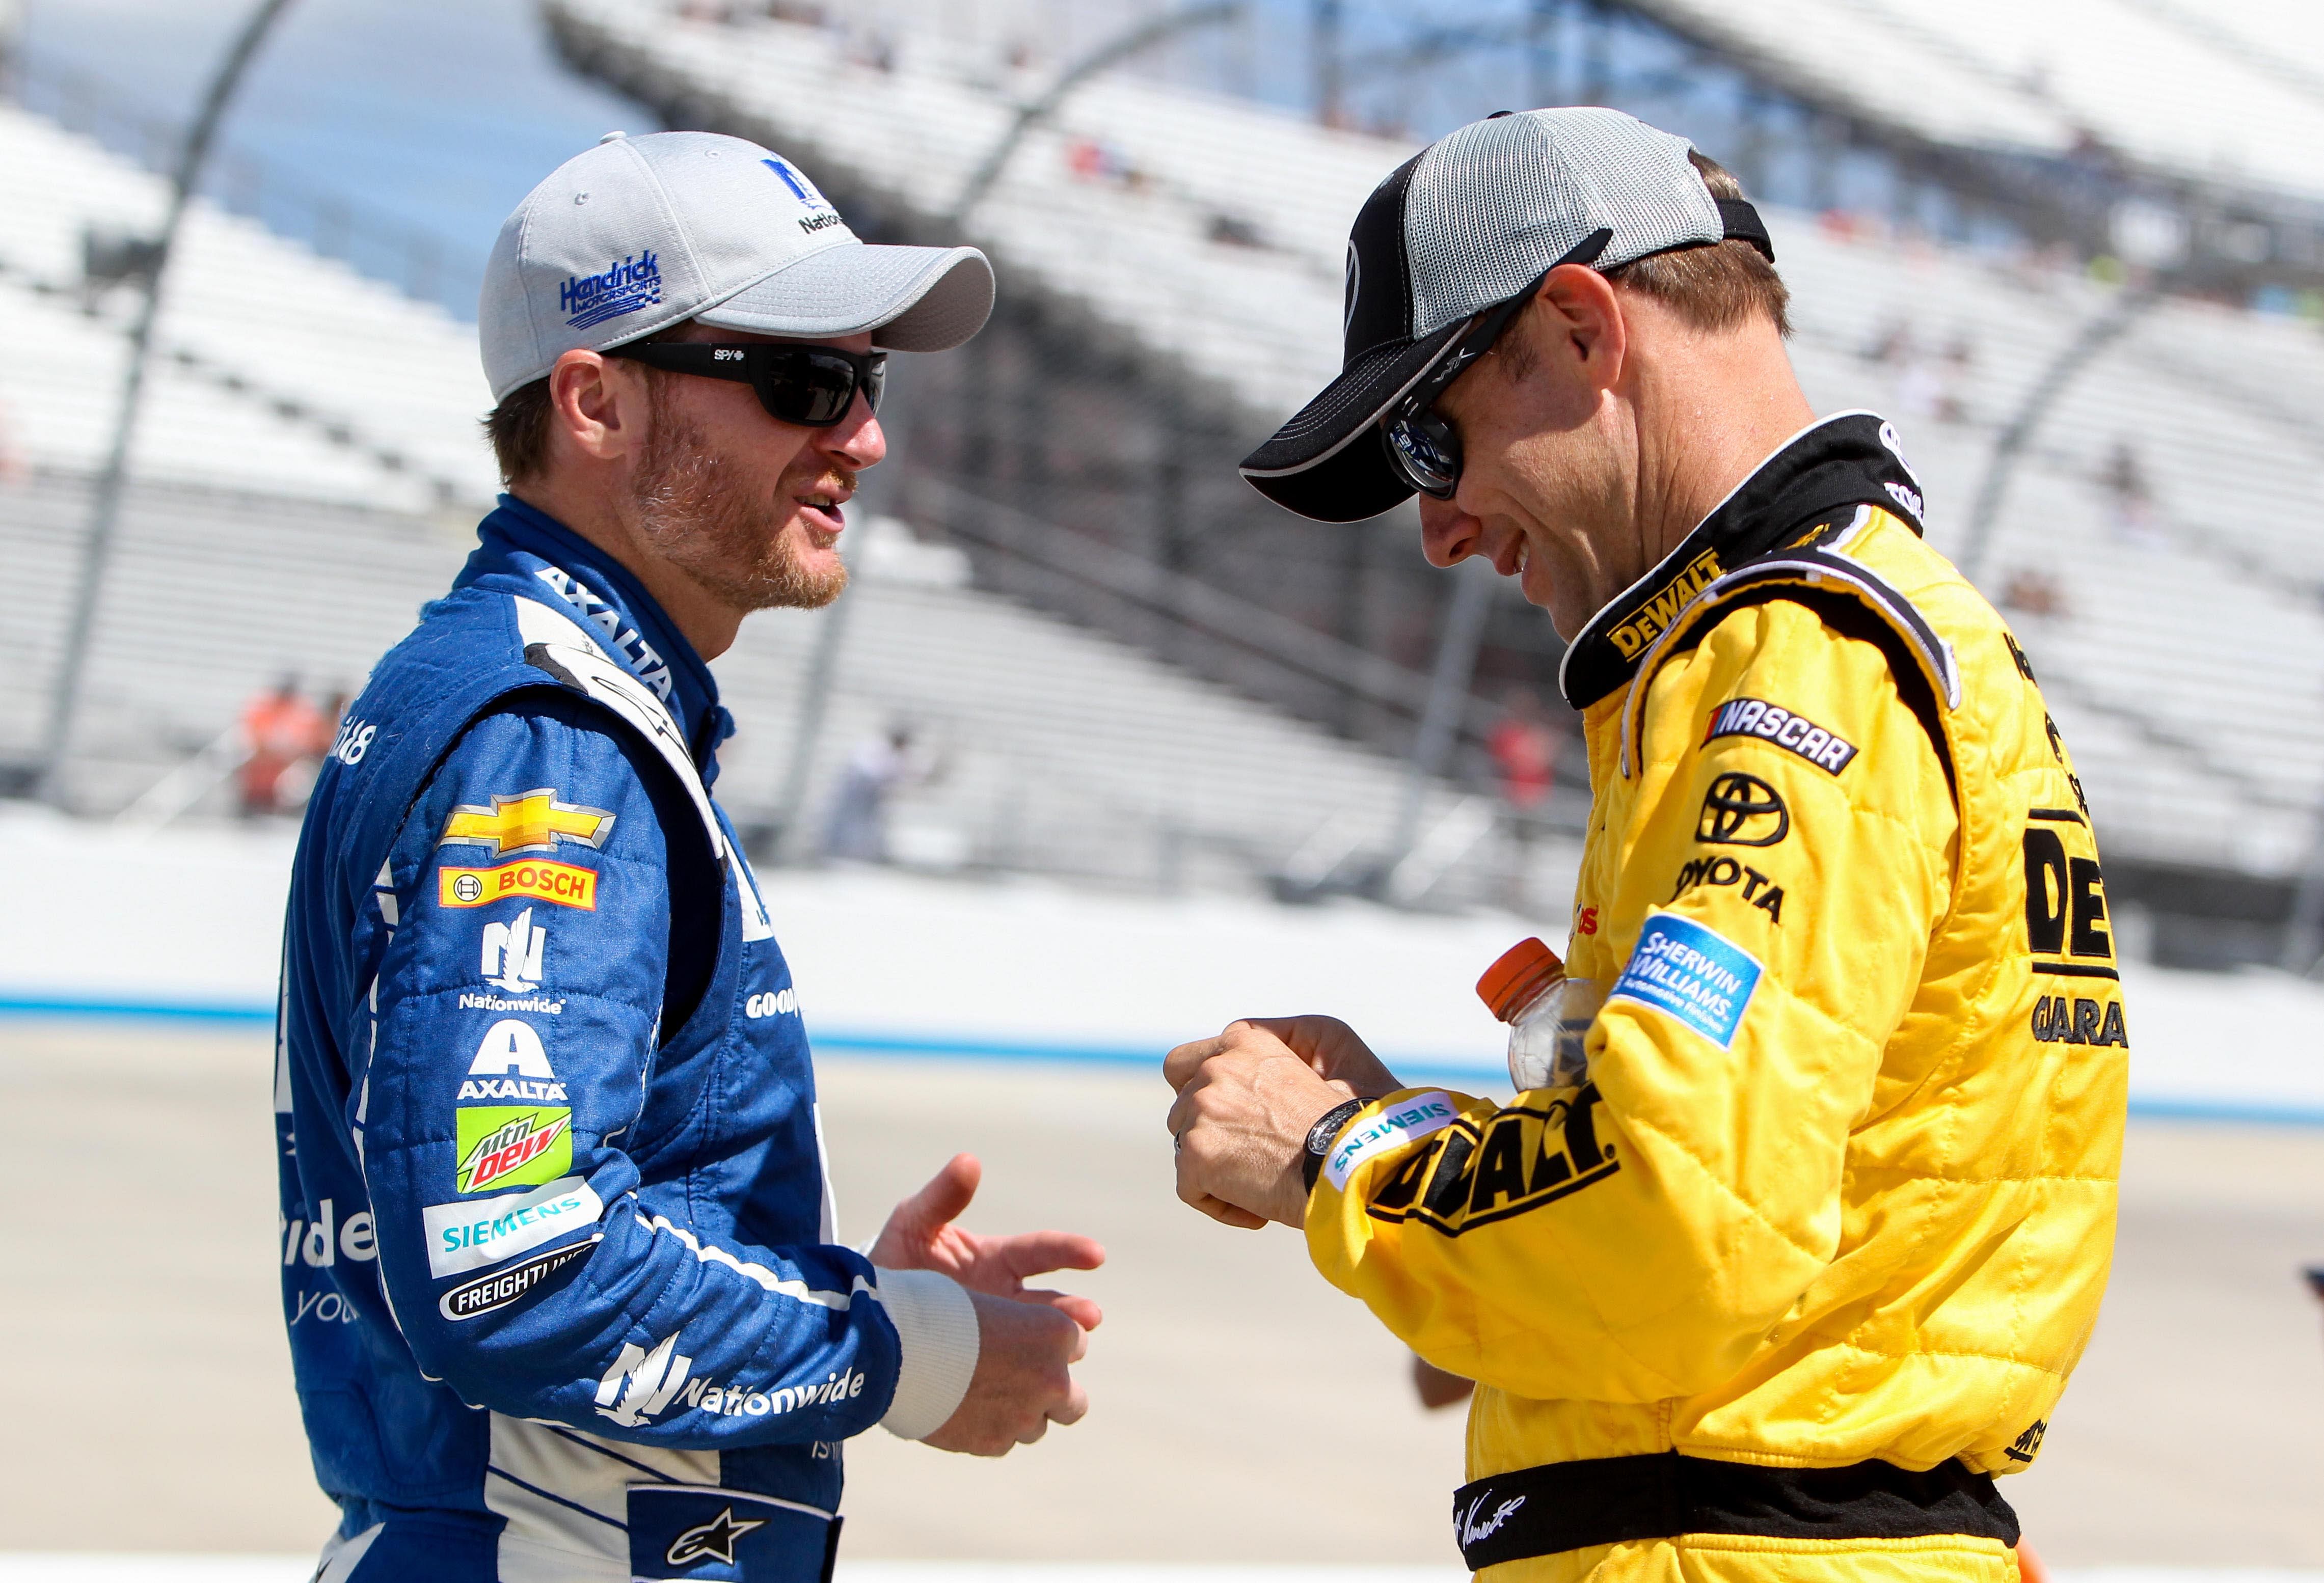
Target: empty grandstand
(2184, 652)
(307, 474)
(1171, 259)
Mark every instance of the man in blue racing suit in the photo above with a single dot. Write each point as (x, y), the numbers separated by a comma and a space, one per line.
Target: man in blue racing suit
(565, 1294)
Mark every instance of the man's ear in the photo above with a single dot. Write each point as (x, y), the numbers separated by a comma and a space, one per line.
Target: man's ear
(1579, 321)
(599, 404)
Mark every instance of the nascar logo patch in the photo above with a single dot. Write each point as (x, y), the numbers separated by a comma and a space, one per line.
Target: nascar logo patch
(1772, 722)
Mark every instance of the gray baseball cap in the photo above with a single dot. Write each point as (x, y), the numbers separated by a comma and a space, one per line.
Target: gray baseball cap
(642, 233)
(1470, 221)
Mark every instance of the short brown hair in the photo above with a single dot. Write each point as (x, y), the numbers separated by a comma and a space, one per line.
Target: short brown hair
(1713, 288)
(519, 427)
(519, 430)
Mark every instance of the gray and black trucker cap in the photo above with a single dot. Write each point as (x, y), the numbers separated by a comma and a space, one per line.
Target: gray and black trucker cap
(1470, 221)
(638, 233)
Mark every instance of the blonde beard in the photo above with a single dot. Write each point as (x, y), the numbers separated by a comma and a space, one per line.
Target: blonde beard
(689, 507)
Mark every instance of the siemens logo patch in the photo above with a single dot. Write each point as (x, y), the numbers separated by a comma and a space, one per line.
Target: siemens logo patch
(482, 1232)
(1772, 722)
(626, 286)
(1694, 974)
(1393, 1128)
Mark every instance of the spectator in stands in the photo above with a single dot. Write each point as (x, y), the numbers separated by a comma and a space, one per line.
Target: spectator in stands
(1765, 1276)
(1960, 364)
(550, 1163)
(875, 772)
(1523, 746)
(2034, 592)
(280, 730)
(2130, 497)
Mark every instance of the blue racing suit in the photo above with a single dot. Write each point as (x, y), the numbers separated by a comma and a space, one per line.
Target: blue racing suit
(557, 1250)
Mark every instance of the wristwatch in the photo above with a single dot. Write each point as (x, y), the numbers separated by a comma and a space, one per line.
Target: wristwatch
(1320, 1138)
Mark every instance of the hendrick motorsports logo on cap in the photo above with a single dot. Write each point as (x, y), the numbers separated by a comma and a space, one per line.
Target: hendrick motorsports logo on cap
(631, 283)
(637, 234)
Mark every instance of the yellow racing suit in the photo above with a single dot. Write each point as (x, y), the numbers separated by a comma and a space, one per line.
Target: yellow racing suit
(1809, 1252)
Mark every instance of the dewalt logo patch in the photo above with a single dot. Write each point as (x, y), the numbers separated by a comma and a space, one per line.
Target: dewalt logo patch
(561, 883)
(1662, 606)
(1522, 1159)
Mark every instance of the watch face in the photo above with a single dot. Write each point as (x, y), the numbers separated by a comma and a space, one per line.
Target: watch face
(1327, 1127)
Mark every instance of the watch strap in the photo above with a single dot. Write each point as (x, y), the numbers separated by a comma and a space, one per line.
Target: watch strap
(1321, 1135)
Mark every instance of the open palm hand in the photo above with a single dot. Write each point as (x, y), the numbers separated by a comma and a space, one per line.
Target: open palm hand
(923, 1233)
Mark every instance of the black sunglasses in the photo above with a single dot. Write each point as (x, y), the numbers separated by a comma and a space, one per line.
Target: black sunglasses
(1421, 443)
(810, 386)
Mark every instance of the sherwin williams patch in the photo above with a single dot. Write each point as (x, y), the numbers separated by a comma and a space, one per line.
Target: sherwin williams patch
(1772, 722)
(500, 1145)
(483, 1231)
(1393, 1128)
(1691, 972)
(562, 883)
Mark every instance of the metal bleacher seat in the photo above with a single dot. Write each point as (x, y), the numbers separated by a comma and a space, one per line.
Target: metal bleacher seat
(254, 545)
(2150, 639)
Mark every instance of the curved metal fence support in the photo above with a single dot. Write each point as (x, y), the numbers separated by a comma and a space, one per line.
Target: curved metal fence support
(1440, 722)
(105, 512)
(1112, 52)
(2010, 444)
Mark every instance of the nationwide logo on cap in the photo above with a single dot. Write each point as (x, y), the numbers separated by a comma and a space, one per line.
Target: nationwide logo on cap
(627, 285)
(529, 822)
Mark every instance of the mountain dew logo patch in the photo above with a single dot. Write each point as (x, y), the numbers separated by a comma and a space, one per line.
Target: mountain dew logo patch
(502, 1146)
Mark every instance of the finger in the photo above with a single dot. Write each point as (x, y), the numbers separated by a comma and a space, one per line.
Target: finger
(1083, 1311)
(1179, 1117)
(1307, 1036)
(1034, 1430)
(1037, 1253)
(1225, 1213)
(1182, 1062)
(1072, 1408)
(944, 1198)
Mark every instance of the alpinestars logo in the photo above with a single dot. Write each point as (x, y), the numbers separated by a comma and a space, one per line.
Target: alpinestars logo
(511, 959)
(711, 1542)
(640, 1383)
(502, 1154)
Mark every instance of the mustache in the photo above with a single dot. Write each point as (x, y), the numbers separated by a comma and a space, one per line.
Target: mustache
(834, 481)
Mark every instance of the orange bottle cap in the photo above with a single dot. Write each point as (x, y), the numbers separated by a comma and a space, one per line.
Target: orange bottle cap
(1522, 971)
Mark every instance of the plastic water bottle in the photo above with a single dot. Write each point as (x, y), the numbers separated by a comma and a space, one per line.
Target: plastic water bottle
(1549, 1014)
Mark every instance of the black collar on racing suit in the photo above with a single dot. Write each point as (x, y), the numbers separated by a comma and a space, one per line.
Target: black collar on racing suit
(1819, 475)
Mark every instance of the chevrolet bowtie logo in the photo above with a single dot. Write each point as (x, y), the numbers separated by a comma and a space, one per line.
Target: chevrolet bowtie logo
(533, 821)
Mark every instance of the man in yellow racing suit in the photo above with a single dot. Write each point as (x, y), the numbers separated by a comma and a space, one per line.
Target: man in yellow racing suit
(1806, 1254)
